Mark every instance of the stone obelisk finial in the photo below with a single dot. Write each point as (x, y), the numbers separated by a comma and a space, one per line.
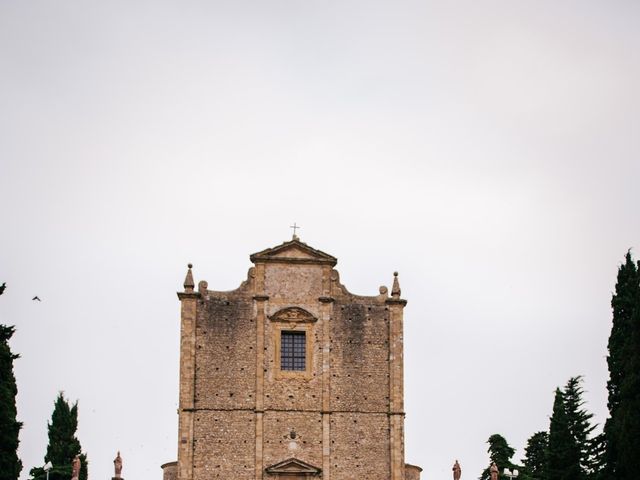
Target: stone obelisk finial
(188, 281)
(395, 291)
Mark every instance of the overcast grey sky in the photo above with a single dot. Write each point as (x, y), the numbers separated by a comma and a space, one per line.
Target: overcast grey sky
(488, 150)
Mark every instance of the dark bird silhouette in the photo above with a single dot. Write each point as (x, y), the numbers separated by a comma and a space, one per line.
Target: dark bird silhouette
(36, 298)
(2, 287)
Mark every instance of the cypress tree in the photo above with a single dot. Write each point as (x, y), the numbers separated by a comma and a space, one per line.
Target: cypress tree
(579, 422)
(563, 454)
(536, 456)
(597, 460)
(499, 452)
(63, 444)
(623, 386)
(572, 452)
(628, 432)
(10, 464)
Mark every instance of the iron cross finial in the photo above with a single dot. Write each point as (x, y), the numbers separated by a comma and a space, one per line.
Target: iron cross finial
(295, 227)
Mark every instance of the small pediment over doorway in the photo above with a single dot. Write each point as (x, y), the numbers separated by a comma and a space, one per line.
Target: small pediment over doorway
(293, 469)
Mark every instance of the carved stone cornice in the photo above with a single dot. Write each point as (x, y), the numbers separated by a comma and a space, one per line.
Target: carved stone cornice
(395, 301)
(187, 295)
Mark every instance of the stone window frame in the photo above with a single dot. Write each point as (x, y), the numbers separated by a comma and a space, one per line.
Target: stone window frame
(293, 319)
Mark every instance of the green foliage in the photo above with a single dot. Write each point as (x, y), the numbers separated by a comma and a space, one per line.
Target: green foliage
(10, 464)
(536, 456)
(597, 461)
(629, 408)
(622, 429)
(500, 452)
(63, 444)
(579, 423)
(563, 455)
(572, 453)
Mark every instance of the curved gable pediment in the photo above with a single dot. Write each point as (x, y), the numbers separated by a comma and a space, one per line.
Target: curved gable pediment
(293, 314)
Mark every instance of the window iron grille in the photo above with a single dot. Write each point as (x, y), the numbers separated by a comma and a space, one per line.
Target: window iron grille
(293, 351)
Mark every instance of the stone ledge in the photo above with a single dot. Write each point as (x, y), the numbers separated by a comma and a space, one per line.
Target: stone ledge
(186, 295)
(395, 301)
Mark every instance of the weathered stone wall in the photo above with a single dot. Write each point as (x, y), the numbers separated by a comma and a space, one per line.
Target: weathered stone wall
(307, 441)
(360, 446)
(359, 357)
(225, 352)
(224, 445)
(293, 284)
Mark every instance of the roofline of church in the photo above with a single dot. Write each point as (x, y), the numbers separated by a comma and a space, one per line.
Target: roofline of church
(269, 255)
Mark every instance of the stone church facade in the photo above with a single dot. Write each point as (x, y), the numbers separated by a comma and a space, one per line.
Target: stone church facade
(290, 376)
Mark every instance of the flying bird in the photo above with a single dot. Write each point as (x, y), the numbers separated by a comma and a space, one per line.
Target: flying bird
(2, 287)
(36, 298)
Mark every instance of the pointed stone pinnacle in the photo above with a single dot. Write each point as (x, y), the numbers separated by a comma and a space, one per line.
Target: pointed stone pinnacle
(188, 281)
(395, 291)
